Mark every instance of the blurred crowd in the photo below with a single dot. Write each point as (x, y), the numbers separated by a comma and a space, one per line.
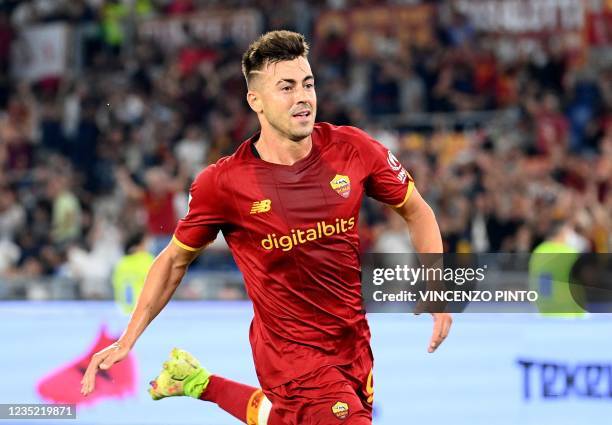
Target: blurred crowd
(87, 160)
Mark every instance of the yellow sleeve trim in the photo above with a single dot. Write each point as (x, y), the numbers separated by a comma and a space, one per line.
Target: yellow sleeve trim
(182, 245)
(408, 193)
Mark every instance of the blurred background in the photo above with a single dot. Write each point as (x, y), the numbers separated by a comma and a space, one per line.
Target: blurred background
(500, 109)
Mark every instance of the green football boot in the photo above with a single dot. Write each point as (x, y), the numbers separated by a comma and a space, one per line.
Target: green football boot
(181, 375)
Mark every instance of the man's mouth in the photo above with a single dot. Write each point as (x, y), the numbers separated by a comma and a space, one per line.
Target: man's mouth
(302, 114)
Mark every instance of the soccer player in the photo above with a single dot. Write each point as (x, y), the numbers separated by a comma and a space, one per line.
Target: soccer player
(287, 202)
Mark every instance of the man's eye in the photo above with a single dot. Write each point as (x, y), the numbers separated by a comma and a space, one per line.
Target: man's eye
(286, 88)
(309, 85)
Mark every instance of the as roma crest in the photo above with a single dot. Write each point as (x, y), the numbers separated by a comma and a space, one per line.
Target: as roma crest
(342, 185)
(340, 410)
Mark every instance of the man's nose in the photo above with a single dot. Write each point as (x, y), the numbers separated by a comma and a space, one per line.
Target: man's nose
(303, 95)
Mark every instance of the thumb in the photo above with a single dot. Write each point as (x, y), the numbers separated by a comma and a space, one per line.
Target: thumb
(107, 363)
(112, 356)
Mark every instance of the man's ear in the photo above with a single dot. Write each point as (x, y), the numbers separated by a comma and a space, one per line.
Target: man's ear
(254, 101)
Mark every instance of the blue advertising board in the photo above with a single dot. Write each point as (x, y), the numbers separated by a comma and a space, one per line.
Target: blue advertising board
(503, 369)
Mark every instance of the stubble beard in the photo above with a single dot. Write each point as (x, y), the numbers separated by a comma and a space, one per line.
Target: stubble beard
(295, 135)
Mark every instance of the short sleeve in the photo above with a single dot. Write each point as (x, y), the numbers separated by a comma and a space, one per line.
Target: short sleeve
(205, 215)
(387, 180)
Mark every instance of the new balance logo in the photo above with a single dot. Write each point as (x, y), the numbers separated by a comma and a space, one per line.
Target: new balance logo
(261, 206)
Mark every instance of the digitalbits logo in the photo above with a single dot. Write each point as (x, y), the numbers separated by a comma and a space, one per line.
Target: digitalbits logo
(296, 237)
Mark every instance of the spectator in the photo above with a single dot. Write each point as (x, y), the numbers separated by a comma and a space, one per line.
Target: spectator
(131, 270)
(157, 196)
(66, 210)
(191, 151)
(17, 130)
(12, 214)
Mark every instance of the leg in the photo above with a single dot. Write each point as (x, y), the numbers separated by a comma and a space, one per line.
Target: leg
(182, 375)
(246, 403)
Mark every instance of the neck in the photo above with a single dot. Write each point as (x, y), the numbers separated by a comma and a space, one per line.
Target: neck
(277, 149)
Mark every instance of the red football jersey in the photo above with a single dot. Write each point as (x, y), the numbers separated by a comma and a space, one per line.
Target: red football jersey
(293, 233)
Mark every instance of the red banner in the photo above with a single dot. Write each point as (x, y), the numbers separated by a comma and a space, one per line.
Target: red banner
(366, 28)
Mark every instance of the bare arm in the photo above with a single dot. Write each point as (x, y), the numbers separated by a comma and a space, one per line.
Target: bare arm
(422, 224)
(426, 238)
(163, 278)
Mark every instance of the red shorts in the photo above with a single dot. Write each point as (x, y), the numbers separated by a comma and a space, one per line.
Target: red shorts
(328, 395)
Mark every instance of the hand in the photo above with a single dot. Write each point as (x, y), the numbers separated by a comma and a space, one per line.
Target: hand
(442, 325)
(103, 359)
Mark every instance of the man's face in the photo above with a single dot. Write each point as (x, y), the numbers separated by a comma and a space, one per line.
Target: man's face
(283, 95)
